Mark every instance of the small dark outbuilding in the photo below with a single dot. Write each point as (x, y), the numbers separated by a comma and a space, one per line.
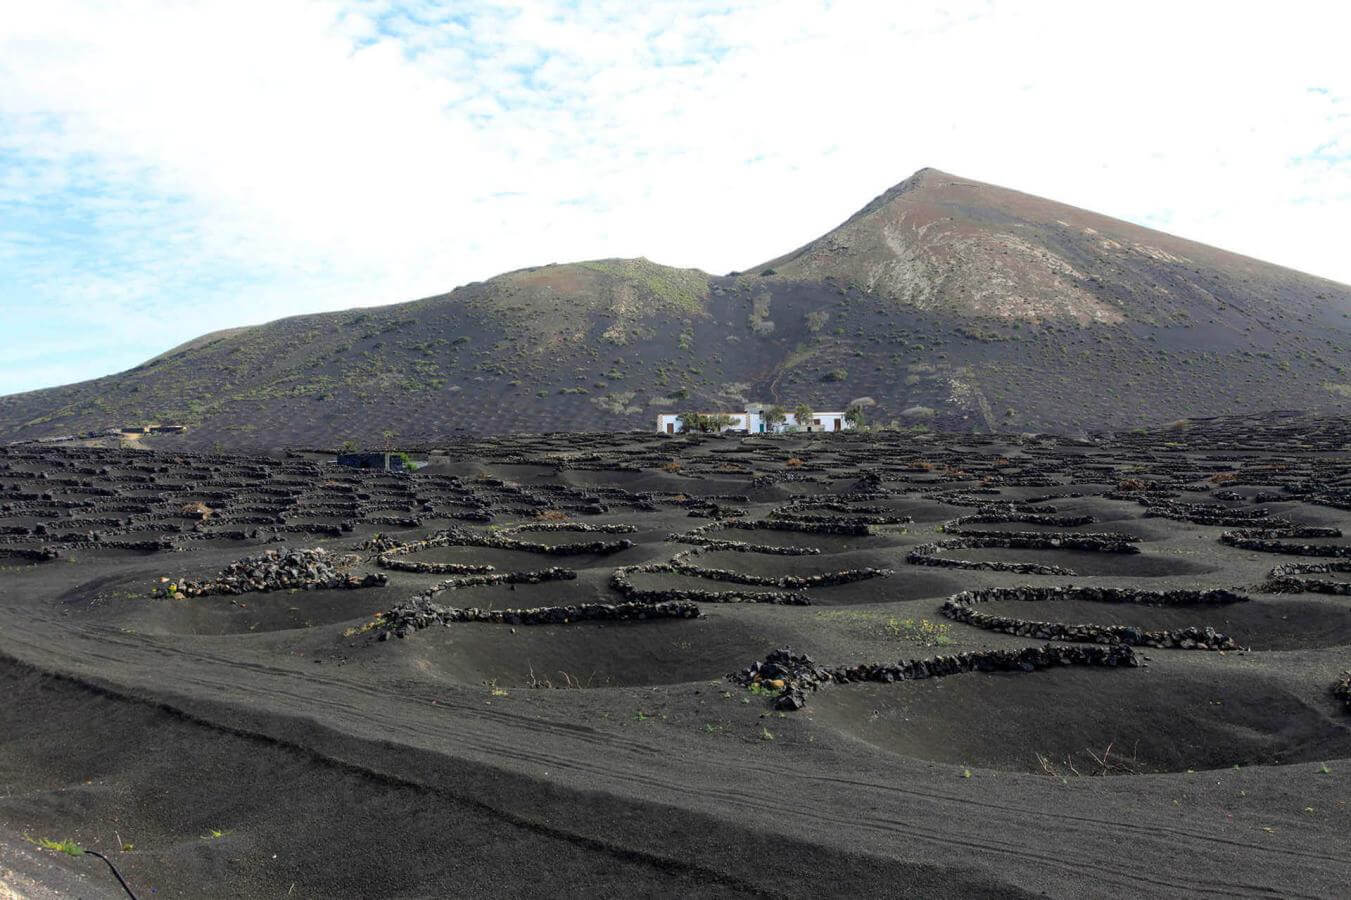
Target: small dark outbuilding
(392, 462)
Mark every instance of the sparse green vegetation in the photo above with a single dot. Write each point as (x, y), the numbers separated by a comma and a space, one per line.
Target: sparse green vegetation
(619, 403)
(923, 632)
(68, 847)
(705, 422)
(803, 414)
(758, 320)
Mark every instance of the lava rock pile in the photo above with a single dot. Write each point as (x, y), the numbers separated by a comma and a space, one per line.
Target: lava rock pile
(682, 564)
(422, 612)
(275, 570)
(621, 582)
(1272, 540)
(1288, 578)
(961, 608)
(1341, 689)
(794, 675)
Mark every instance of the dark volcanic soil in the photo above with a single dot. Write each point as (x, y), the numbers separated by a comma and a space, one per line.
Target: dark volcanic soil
(263, 742)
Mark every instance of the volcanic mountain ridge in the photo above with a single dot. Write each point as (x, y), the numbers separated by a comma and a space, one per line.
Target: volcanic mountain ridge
(943, 303)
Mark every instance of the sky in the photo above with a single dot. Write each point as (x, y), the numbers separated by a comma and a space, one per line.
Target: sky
(173, 168)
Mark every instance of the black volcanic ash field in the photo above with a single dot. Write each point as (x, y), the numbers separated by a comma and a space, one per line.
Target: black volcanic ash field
(549, 664)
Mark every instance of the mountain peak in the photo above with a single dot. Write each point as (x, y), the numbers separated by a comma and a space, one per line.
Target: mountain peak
(925, 174)
(920, 179)
(941, 242)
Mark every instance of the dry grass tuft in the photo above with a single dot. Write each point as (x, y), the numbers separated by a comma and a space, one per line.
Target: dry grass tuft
(566, 681)
(1104, 763)
(197, 509)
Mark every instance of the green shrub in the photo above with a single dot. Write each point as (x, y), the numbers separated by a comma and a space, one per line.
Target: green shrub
(923, 632)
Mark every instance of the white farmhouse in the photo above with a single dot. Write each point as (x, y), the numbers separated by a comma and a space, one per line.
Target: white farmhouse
(753, 421)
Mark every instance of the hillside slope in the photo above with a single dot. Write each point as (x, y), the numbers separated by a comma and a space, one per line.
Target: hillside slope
(947, 302)
(937, 241)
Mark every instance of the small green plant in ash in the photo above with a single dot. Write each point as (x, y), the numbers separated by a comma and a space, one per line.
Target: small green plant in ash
(68, 847)
(923, 632)
(364, 627)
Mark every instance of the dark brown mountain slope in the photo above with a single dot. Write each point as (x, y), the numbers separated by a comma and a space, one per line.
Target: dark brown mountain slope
(937, 241)
(945, 301)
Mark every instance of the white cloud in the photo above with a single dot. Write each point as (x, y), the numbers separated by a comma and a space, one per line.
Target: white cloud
(170, 168)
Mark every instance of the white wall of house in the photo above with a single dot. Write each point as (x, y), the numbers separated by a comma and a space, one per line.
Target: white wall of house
(754, 422)
(820, 421)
